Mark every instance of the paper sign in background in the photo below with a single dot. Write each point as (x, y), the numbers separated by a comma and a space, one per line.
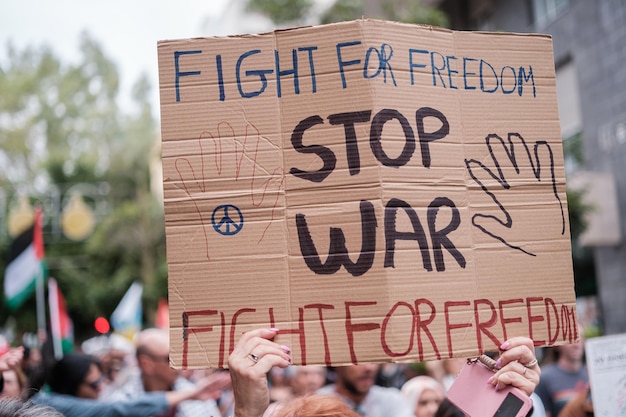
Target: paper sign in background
(377, 191)
(606, 361)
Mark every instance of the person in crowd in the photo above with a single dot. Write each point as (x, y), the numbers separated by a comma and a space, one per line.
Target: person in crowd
(255, 354)
(564, 379)
(113, 351)
(280, 388)
(451, 368)
(302, 381)
(75, 382)
(151, 404)
(579, 406)
(32, 366)
(314, 406)
(354, 384)
(394, 374)
(15, 407)
(34, 369)
(78, 375)
(424, 395)
(15, 383)
(153, 373)
(306, 379)
(445, 370)
(9, 360)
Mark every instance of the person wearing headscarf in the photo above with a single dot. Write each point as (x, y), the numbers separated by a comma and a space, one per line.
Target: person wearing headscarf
(424, 394)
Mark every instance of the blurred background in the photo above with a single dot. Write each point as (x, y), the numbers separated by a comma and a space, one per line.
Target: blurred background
(80, 140)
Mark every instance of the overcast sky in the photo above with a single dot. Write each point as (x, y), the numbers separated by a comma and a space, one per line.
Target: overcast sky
(127, 30)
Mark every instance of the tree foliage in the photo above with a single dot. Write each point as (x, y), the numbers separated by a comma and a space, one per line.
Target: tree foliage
(293, 11)
(54, 113)
(582, 257)
(413, 12)
(61, 126)
(281, 11)
(343, 10)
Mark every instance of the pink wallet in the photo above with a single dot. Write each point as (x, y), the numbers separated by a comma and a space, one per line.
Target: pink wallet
(472, 395)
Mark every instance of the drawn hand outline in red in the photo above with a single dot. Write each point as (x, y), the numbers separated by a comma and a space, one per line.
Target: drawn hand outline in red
(542, 150)
(244, 151)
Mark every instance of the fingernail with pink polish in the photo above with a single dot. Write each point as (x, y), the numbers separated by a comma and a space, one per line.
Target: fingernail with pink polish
(498, 363)
(274, 329)
(505, 345)
(285, 348)
(490, 380)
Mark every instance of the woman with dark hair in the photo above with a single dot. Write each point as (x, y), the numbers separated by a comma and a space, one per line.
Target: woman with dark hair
(75, 382)
(78, 375)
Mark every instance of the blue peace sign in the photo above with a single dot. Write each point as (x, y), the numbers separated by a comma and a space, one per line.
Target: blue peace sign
(223, 223)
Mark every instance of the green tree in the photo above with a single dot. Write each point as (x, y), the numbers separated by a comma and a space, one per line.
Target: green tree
(413, 12)
(133, 234)
(584, 267)
(291, 11)
(60, 125)
(281, 11)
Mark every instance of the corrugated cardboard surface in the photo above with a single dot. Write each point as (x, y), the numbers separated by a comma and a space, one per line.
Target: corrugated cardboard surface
(432, 158)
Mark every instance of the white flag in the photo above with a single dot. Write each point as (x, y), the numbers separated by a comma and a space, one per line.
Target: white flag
(127, 317)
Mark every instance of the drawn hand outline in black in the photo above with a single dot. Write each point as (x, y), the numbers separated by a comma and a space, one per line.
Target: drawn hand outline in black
(509, 148)
(243, 151)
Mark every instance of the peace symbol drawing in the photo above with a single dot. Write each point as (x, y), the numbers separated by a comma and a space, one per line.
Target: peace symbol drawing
(222, 221)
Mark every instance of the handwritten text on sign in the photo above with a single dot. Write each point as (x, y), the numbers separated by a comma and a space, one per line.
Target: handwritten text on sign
(472, 73)
(349, 190)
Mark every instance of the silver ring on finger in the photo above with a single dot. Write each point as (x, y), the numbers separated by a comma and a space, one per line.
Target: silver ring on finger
(254, 358)
(531, 363)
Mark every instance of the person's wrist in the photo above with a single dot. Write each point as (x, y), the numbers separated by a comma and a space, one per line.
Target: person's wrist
(240, 412)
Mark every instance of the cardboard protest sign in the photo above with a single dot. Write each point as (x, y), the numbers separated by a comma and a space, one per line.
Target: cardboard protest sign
(377, 191)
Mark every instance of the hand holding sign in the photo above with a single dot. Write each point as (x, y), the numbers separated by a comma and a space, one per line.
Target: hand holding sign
(230, 156)
(509, 158)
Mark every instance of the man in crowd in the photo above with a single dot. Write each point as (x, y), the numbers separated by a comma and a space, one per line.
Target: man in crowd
(564, 379)
(306, 379)
(153, 373)
(355, 386)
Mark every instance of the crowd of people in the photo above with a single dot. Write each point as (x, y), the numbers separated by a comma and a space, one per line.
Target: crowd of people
(262, 382)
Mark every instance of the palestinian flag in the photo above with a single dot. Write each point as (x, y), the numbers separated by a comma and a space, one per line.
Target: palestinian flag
(61, 325)
(25, 264)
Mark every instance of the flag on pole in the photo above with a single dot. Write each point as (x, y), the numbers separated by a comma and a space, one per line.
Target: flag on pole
(61, 325)
(25, 264)
(127, 317)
